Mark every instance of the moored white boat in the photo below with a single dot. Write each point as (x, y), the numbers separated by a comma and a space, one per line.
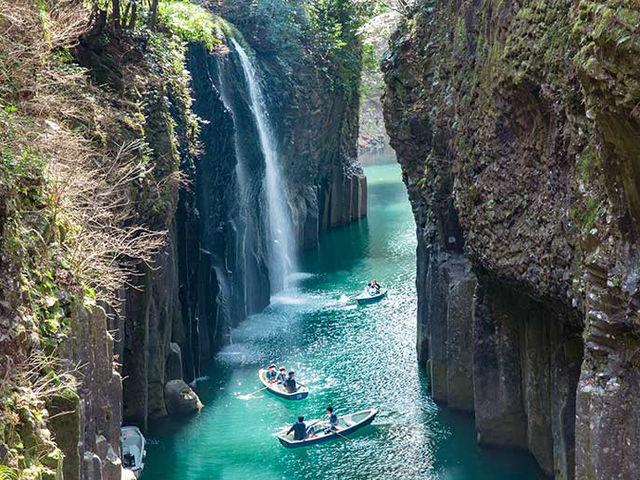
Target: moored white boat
(133, 451)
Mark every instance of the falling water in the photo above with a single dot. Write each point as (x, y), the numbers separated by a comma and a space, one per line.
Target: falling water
(282, 240)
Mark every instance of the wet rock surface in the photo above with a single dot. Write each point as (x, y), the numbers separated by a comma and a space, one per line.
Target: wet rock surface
(514, 126)
(180, 398)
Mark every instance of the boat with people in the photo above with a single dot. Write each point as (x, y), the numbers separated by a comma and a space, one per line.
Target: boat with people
(279, 390)
(133, 451)
(319, 431)
(371, 295)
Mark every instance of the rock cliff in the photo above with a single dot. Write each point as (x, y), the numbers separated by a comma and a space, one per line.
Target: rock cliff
(516, 127)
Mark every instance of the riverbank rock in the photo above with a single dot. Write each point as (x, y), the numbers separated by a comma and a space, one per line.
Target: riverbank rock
(180, 399)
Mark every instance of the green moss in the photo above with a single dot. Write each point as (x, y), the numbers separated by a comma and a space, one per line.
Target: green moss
(588, 164)
(585, 216)
(460, 35)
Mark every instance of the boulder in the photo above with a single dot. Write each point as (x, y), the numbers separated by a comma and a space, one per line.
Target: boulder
(180, 399)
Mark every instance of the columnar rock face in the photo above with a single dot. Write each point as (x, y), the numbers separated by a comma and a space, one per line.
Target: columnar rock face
(517, 130)
(317, 128)
(86, 426)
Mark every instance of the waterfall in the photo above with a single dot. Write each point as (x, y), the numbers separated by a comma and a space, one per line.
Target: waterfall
(281, 236)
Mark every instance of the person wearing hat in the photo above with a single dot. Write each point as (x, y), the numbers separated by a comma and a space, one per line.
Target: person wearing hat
(271, 374)
(290, 384)
(299, 429)
(282, 376)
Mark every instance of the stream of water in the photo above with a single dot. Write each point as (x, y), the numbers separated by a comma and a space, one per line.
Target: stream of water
(282, 262)
(351, 357)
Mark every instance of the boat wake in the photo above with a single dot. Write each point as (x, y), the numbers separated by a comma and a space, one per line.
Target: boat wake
(247, 396)
(343, 299)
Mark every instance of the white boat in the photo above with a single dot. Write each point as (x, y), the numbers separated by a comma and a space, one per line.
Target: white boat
(370, 295)
(133, 451)
(278, 390)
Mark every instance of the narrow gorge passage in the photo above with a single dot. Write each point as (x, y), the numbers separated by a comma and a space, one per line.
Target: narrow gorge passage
(352, 357)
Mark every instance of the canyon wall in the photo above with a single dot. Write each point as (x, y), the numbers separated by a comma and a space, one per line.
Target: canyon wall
(516, 127)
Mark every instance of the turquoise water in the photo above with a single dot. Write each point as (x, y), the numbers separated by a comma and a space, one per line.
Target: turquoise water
(351, 357)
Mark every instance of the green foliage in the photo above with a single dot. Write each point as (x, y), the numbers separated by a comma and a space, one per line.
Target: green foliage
(333, 28)
(280, 25)
(585, 217)
(588, 164)
(30, 239)
(319, 33)
(190, 22)
(32, 234)
(370, 58)
(7, 473)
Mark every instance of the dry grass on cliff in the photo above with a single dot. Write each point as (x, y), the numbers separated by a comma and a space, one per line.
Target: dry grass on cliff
(53, 112)
(68, 218)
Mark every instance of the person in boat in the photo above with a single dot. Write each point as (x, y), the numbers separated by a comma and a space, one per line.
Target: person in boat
(272, 374)
(290, 383)
(333, 419)
(299, 429)
(282, 376)
(373, 287)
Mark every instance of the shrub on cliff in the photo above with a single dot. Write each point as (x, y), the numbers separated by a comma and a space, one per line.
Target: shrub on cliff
(191, 22)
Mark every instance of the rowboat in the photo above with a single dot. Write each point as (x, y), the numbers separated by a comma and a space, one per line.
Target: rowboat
(319, 432)
(133, 450)
(369, 297)
(280, 391)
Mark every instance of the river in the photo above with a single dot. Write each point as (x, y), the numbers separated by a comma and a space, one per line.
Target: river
(351, 357)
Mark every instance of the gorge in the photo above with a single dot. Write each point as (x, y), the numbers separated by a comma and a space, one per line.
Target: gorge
(235, 187)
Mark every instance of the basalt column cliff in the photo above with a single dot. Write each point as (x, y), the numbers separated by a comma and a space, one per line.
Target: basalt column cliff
(516, 124)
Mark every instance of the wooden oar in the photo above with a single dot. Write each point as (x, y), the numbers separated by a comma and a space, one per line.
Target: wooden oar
(342, 436)
(333, 431)
(314, 423)
(257, 391)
